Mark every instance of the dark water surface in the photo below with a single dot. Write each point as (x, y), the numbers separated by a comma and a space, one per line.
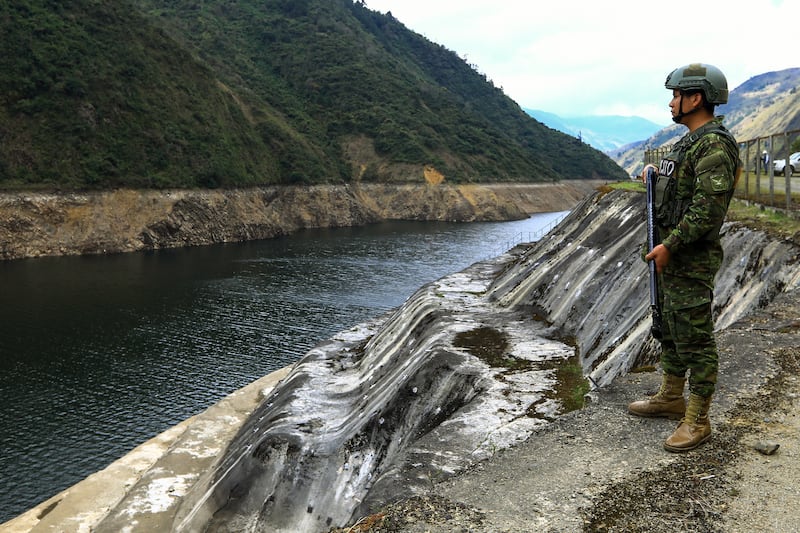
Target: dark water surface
(99, 354)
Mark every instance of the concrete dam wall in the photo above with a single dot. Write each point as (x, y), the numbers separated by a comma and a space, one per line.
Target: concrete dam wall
(471, 364)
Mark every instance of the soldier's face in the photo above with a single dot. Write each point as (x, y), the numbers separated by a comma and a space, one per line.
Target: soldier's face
(683, 103)
(675, 103)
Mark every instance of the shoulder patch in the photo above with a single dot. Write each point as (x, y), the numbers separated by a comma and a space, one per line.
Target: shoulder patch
(719, 183)
(714, 172)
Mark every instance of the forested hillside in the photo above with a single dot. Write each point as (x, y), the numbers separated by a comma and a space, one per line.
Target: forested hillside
(179, 93)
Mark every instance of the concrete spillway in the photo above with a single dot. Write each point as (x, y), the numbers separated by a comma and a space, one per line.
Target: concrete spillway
(385, 405)
(470, 364)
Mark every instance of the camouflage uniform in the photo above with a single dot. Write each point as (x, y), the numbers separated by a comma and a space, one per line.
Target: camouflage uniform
(694, 188)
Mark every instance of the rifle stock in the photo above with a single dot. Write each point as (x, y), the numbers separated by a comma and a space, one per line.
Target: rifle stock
(652, 240)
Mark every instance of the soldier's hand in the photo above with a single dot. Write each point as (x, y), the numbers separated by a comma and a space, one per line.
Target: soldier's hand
(643, 176)
(660, 255)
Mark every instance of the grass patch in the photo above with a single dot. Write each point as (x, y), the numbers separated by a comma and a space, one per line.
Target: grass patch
(571, 385)
(490, 346)
(765, 219)
(629, 185)
(626, 185)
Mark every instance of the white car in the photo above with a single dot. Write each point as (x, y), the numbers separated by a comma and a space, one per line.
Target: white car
(794, 164)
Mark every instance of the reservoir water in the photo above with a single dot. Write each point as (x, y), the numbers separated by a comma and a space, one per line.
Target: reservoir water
(100, 353)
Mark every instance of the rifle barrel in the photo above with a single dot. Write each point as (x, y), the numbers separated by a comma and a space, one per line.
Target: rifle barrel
(652, 241)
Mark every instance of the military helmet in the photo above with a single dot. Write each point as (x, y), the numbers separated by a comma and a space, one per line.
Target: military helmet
(702, 77)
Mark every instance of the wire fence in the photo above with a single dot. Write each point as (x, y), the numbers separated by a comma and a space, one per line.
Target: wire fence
(520, 237)
(770, 172)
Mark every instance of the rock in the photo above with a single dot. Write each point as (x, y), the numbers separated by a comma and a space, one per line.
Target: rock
(765, 447)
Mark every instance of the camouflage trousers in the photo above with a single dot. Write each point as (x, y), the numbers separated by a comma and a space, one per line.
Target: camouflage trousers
(688, 342)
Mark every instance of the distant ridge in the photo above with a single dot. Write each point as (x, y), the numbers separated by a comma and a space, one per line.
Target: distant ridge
(604, 132)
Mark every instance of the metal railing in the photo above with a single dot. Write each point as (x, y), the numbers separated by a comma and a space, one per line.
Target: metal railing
(499, 248)
(758, 181)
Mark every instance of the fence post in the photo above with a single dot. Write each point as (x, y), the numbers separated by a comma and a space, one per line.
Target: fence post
(759, 165)
(747, 170)
(771, 172)
(787, 171)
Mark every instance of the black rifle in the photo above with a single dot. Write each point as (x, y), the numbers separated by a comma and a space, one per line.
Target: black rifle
(652, 240)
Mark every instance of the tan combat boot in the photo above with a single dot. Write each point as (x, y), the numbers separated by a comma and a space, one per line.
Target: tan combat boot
(695, 426)
(668, 401)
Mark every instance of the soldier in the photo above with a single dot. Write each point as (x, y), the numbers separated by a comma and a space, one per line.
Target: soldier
(694, 187)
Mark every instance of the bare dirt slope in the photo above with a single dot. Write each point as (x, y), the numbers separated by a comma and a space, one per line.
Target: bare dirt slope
(34, 224)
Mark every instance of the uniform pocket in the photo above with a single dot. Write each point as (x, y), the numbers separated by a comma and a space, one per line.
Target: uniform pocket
(665, 199)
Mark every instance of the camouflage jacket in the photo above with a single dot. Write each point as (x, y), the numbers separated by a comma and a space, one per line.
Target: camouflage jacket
(694, 188)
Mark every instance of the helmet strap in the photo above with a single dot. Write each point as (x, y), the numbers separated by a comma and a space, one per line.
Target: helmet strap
(679, 117)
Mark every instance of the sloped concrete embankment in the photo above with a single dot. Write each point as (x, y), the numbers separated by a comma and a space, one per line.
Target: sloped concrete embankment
(586, 277)
(468, 367)
(601, 469)
(41, 224)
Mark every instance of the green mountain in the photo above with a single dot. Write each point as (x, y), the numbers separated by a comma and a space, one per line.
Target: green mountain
(174, 93)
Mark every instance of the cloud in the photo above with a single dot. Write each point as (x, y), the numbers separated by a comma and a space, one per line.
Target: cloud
(574, 57)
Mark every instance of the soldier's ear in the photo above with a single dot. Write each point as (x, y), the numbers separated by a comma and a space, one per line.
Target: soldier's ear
(697, 99)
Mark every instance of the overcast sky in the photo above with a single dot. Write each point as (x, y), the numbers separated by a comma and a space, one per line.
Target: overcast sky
(595, 57)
